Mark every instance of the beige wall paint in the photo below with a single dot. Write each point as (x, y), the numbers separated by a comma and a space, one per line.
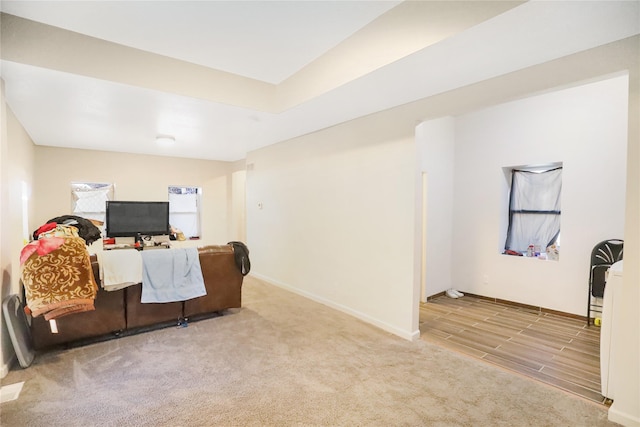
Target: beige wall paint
(21, 170)
(16, 173)
(6, 351)
(329, 216)
(237, 215)
(136, 177)
(48, 172)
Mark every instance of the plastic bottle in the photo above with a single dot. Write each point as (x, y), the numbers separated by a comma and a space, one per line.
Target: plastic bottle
(530, 251)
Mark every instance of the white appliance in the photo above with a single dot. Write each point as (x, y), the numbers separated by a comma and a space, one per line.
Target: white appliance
(608, 330)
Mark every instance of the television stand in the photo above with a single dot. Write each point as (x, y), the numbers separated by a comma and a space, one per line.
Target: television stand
(143, 243)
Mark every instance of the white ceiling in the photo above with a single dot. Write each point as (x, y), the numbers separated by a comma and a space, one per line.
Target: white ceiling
(263, 40)
(247, 74)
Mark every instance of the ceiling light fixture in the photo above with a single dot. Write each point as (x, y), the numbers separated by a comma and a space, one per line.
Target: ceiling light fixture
(165, 139)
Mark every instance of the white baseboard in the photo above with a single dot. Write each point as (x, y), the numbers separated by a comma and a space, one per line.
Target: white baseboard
(5, 368)
(408, 335)
(623, 418)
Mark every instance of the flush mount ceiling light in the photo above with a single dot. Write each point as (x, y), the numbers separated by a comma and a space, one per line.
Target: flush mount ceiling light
(165, 139)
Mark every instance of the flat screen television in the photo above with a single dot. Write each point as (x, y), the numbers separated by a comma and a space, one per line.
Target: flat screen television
(126, 218)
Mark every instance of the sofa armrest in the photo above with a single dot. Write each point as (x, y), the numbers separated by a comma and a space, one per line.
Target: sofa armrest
(222, 279)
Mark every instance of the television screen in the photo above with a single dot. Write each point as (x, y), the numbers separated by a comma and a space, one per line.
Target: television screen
(126, 219)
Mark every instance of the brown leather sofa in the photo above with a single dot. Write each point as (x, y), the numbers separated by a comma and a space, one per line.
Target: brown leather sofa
(120, 312)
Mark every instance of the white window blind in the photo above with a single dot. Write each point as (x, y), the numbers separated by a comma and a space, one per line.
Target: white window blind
(184, 210)
(88, 199)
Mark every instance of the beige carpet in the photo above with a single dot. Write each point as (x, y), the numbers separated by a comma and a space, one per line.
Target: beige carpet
(281, 360)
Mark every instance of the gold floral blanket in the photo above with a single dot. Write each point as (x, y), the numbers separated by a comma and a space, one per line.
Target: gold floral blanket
(57, 276)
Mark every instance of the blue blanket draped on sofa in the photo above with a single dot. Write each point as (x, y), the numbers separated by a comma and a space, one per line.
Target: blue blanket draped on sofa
(170, 275)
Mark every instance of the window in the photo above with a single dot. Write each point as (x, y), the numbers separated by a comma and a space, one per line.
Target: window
(88, 199)
(534, 208)
(184, 210)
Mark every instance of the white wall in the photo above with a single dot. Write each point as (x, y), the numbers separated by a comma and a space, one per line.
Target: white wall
(585, 127)
(337, 220)
(595, 130)
(625, 350)
(136, 177)
(303, 185)
(435, 144)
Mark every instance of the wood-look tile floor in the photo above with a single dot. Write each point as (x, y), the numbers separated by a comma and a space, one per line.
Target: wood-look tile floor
(557, 350)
